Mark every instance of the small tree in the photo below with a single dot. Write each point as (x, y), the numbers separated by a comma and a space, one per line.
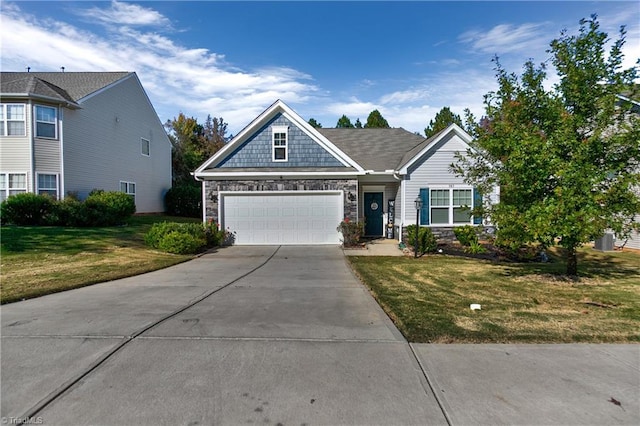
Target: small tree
(376, 120)
(344, 123)
(566, 160)
(315, 124)
(443, 119)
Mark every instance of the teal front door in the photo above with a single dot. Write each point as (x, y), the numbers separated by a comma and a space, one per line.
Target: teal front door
(373, 214)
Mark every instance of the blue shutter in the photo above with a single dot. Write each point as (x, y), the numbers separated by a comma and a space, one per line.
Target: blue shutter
(424, 211)
(477, 201)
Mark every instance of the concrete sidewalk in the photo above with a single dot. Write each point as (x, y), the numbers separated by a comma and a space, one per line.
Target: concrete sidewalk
(268, 335)
(377, 247)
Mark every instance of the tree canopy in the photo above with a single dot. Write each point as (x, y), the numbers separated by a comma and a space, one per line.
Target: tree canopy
(566, 159)
(193, 143)
(376, 120)
(314, 123)
(344, 123)
(443, 119)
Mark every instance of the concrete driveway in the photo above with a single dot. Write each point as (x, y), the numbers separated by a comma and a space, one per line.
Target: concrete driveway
(260, 335)
(268, 335)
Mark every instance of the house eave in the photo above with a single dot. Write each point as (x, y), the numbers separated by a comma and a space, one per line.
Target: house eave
(27, 96)
(275, 175)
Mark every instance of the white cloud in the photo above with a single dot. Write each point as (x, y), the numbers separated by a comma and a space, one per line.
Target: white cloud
(194, 81)
(125, 14)
(505, 38)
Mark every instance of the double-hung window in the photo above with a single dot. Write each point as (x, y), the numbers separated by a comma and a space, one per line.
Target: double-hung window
(128, 188)
(12, 120)
(48, 184)
(12, 184)
(46, 122)
(280, 142)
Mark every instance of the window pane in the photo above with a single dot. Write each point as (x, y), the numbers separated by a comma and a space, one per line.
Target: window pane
(46, 130)
(47, 182)
(46, 114)
(2, 128)
(439, 216)
(440, 197)
(2, 112)
(123, 186)
(15, 112)
(132, 188)
(17, 181)
(15, 128)
(461, 197)
(280, 154)
(461, 215)
(145, 147)
(3, 181)
(17, 191)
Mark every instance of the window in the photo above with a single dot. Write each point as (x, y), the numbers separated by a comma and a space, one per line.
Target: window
(11, 184)
(128, 188)
(447, 206)
(279, 139)
(12, 120)
(48, 184)
(462, 203)
(46, 122)
(145, 147)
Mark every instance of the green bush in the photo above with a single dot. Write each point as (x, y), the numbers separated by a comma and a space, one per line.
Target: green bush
(181, 243)
(427, 242)
(107, 208)
(26, 209)
(466, 235)
(352, 232)
(475, 248)
(184, 238)
(184, 200)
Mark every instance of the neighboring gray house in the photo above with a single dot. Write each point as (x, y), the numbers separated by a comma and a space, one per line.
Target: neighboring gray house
(281, 181)
(72, 132)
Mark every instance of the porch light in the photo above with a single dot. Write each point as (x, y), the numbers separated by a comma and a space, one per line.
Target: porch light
(418, 204)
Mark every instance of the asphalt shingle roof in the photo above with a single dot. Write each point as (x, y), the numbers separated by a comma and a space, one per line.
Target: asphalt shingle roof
(374, 149)
(68, 86)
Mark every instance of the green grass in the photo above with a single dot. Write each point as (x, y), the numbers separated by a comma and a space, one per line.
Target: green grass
(40, 260)
(429, 298)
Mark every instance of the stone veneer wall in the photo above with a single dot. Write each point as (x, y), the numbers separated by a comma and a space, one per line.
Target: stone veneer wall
(212, 189)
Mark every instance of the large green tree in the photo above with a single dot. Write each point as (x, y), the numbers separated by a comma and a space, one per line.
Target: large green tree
(566, 159)
(192, 144)
(376, 120)
(443, 119)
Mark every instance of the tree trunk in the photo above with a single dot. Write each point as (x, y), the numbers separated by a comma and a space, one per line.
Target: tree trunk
(572, 261)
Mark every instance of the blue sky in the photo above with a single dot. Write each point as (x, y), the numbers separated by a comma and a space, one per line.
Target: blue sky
(324, 59)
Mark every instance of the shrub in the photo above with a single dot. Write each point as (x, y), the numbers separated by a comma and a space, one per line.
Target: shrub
(352, 232)
(181, 243)
(184, 200)
(106, 208)
(475, 248)
(427, 242)
(26, 209)
(213, 235)
(466, 235)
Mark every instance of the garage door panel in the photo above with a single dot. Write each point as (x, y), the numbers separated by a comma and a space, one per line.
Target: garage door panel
(307, 218)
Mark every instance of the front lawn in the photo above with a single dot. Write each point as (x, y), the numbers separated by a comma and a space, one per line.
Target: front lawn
(429, 298)
(42, 260)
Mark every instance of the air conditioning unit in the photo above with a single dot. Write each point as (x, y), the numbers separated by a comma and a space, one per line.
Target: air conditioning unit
(605, 243)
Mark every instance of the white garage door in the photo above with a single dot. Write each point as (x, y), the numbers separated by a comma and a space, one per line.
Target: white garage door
(283, 218)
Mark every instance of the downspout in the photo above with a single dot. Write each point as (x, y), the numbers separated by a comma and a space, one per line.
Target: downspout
(204, 198)
(60, 127)
(32, 147)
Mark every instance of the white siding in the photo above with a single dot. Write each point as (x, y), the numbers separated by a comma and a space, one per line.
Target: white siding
(634, 240)
(102, 146)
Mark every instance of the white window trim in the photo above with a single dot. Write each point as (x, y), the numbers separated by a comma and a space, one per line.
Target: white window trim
(7, 188)
(57, 188)
(36, 121)
(6, 120)
(128, 191)
(450, 207)
(142, 141)
(276, 130)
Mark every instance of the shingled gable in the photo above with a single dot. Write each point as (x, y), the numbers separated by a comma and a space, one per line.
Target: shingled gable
(218, 164)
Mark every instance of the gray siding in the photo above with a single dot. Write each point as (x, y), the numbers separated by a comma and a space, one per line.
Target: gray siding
(47, 155)
(303, 151)
(102, 146)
